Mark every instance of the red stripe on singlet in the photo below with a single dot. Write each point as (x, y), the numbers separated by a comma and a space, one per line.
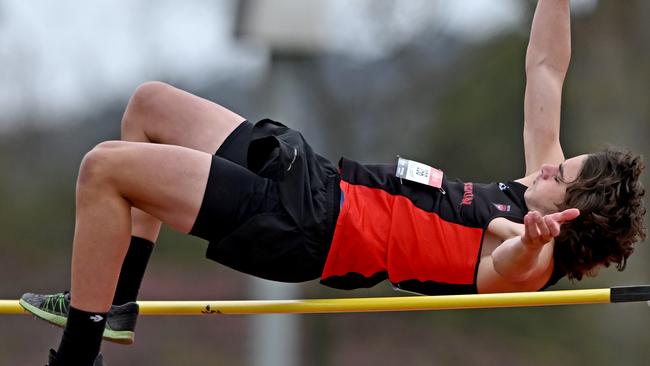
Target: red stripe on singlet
(379, 232)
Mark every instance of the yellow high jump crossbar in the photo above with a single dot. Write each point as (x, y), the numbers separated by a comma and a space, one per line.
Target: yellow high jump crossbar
(375, 304)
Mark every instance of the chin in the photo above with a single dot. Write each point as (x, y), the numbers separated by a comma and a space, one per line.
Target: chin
(527, 197)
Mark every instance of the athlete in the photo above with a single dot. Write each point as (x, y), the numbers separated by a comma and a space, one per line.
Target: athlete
(271, 207)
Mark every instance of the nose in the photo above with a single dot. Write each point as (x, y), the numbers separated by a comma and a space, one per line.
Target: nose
(548, 171)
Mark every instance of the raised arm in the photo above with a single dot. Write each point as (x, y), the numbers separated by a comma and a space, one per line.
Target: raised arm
(547, 61)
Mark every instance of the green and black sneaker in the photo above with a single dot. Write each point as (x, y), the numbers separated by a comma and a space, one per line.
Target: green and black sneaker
(120, 322)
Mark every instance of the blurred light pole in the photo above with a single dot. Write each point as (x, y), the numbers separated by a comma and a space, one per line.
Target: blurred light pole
(293, 33)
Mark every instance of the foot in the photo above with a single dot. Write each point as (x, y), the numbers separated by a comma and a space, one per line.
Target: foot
(120, 322)
(99, 361)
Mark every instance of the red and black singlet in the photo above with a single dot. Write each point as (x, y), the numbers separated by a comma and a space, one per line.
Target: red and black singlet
(422, 239)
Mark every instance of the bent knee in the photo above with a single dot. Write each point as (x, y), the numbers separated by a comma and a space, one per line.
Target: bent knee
(148, 94)
(97, 164)
(145, 104)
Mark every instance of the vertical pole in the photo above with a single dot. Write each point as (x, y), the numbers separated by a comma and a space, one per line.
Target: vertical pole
(275, 339)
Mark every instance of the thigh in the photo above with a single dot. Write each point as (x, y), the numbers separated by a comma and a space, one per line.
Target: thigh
(186, 188)
(165, 181)
(233, 195)
(161, 113)
(235, 147)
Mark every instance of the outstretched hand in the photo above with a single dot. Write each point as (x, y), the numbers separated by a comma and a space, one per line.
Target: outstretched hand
(539, 230)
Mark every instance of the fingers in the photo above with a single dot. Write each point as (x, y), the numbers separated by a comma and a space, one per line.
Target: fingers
(542, 226)
(553, 226)
(566, 215)
(537, 232)
(530, 229)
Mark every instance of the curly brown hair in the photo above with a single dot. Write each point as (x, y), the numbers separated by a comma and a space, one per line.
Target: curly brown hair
(609, 195)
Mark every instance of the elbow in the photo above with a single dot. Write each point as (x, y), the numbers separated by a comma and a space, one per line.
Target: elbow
(544, 135)
(513, 276)
(537, 62)
(509, 271)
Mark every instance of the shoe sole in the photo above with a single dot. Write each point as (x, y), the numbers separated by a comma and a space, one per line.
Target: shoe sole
(115, 336)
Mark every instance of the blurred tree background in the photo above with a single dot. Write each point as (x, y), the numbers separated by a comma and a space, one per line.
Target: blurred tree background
(438, 98)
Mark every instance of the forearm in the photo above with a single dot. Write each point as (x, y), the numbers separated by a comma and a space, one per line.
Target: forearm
(547, 61)
(514, 260)
(550, 37)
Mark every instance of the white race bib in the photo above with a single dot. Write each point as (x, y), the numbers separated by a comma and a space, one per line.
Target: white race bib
(418, 172)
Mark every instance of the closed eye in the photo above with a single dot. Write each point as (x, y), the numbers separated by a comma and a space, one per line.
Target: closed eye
(560, 178)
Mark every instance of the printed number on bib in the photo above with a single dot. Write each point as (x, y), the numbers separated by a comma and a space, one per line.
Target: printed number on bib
(417, 172)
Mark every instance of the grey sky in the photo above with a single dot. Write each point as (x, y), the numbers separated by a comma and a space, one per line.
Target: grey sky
(56, 56)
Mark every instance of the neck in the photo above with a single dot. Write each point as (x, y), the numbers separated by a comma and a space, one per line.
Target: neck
(533, 206)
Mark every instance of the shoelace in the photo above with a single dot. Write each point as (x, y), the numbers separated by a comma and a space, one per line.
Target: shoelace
(54, 302)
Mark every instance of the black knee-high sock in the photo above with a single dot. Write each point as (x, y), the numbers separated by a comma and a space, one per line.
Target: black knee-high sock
(133, 268)
(81, 339)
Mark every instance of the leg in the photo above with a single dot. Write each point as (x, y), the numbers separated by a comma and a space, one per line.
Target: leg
(167, 182)
(131, 187)
(160, 113)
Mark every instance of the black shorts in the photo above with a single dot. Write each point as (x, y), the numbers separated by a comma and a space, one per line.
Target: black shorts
(265, 211)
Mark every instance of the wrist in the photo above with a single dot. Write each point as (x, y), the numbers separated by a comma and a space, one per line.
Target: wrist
(530, 245)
